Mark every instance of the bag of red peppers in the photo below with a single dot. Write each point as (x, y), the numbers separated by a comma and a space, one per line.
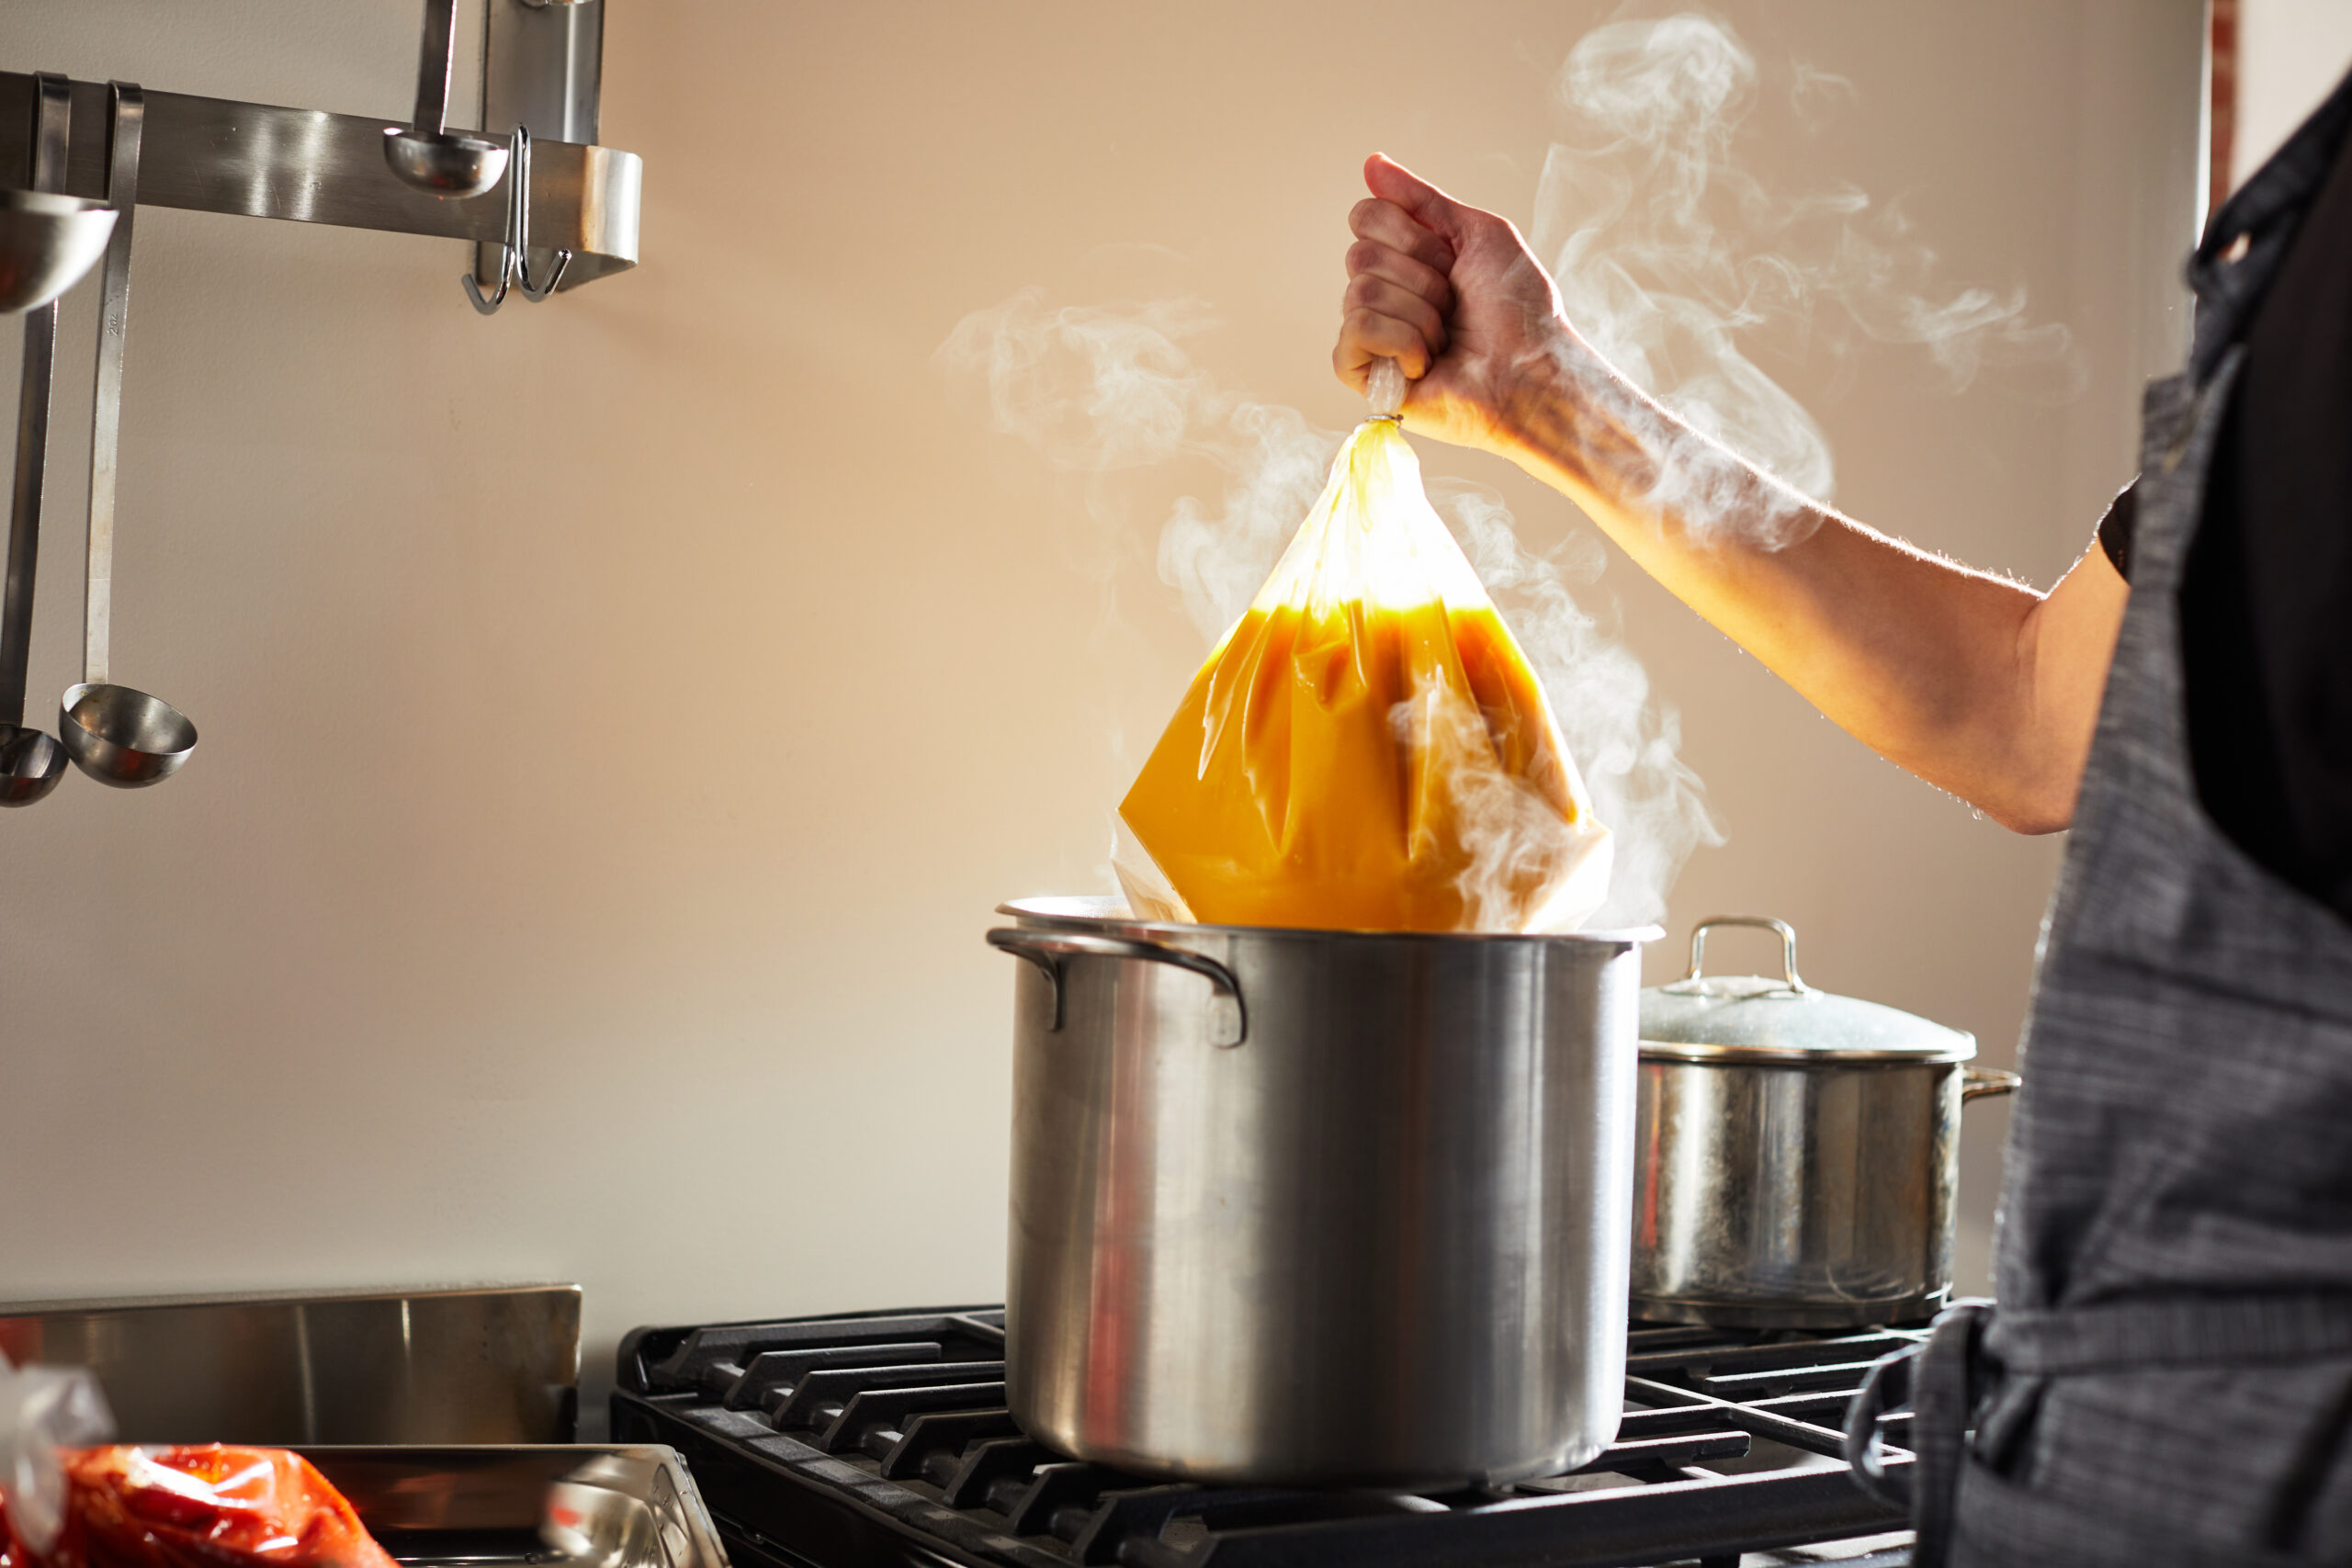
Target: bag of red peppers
(210, 1505)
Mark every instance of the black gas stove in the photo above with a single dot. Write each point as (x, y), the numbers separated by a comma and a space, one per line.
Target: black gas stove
(883, 1437)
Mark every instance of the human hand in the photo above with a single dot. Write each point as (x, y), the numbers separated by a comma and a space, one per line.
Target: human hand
(1453, 294)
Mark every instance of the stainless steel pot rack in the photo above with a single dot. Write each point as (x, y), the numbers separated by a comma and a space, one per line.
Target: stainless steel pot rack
(541, 68)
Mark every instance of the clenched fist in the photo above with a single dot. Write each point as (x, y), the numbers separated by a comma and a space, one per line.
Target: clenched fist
(1453, 294)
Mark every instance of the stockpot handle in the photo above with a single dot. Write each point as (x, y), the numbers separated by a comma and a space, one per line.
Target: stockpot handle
(1761, 922)
(1978, 1083)
(1228, 1019)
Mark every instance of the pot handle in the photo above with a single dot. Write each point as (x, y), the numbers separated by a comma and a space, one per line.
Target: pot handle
(1786, 932)
(1978, 1083)
(1228, 1019)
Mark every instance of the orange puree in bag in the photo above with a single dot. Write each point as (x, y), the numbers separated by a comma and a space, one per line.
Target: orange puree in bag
(1367, 748)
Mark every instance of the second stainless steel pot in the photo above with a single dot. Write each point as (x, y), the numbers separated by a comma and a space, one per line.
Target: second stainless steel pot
(1796, 1152)
(1319, 1207)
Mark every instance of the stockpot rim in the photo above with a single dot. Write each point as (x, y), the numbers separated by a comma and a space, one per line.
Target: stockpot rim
(1088, 910)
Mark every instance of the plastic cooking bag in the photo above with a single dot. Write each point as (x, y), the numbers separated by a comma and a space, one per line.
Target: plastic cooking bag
(208, 1506)
(43, 1410)
(1367, 749)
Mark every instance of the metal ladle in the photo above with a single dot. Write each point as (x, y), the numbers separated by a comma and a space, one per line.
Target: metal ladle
(30, 762)
(116, 734)
(447, 162)
(47, 242)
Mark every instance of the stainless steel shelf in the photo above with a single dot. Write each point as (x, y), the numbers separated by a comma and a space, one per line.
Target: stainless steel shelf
(310, 166)
(485, 1364)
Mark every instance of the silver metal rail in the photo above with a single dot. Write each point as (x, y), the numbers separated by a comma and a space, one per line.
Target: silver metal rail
(310, 166)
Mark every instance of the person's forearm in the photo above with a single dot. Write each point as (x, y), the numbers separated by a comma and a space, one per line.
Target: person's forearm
(1929, 663)
(1976, 684)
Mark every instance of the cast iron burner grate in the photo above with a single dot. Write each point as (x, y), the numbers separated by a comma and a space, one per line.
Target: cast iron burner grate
(838, 1442)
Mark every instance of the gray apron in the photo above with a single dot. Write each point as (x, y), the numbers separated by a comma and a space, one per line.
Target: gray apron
(2168, 1379)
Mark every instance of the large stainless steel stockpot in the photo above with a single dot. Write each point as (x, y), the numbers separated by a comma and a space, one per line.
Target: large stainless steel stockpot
(1306, 1207)
(1796, 1152)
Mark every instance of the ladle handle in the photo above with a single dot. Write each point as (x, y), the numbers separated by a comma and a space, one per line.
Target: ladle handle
(433, 61)
(52, 115)
(106, 402)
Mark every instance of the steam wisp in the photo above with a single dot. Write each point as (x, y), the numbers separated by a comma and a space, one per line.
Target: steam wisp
(1625, 744)
(1100, 390)
(1667, 253)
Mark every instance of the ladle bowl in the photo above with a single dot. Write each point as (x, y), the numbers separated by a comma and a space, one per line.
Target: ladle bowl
(32, 764)
(122, 737)
(450, 165)
(47, 242)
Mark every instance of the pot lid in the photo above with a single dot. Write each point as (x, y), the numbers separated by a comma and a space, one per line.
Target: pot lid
(1715, 1017)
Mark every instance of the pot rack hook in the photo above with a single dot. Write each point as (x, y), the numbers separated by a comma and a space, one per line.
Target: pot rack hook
(515, 266)
(515, 173)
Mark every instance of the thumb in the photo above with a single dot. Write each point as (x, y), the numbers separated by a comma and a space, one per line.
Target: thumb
(1428, 206)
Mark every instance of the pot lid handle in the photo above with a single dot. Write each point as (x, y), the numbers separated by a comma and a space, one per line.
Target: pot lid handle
(1761, 922)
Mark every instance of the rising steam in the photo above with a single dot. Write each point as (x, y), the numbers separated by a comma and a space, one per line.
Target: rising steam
(1668, 256)
(1625, 744)
(1097, 390)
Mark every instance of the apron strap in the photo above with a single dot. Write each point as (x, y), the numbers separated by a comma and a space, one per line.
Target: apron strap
(1940, 1380)
(1943, 1378)
(2171, 1331)
(2265, 212)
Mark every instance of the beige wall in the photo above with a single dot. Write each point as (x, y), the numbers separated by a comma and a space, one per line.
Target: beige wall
(620, 716)
(2290, 53)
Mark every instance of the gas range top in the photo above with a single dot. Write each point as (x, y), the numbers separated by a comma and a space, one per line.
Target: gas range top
(883, 1437)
